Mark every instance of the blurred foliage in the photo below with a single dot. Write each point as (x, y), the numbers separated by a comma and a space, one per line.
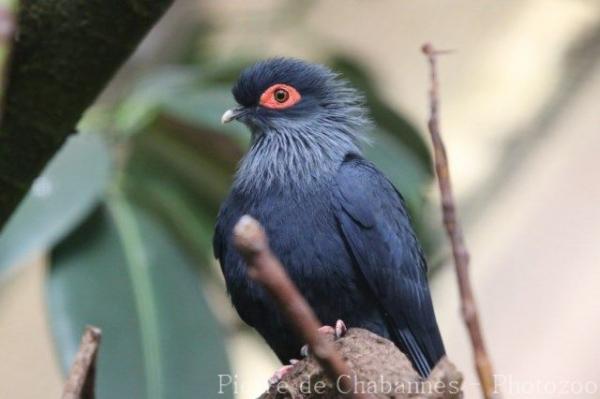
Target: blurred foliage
(70, 186)
(121, 271)
(126, 257)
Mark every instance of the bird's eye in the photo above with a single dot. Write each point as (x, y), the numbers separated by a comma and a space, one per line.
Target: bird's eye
(280, 96)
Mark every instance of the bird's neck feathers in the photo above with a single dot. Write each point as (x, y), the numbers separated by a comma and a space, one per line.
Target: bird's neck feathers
(299, 157)
(297, 153)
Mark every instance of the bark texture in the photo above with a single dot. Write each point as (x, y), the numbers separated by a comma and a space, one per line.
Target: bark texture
(64, 53)
(381, 370)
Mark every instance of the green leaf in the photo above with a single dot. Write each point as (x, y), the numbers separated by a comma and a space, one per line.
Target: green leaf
(204, 107)
(184, 93)
(180, 178)
(121, 272)
(143, 105)
(70, 186)
(190, 219)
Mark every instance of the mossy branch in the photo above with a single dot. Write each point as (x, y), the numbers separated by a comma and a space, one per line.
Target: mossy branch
(64, 54)
(378, 369)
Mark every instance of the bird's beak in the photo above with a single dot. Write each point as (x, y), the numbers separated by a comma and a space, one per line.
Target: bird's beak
(231, 114)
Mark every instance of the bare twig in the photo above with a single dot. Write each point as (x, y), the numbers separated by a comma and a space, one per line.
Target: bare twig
(453, 228)
(251, 240)
(80, 383)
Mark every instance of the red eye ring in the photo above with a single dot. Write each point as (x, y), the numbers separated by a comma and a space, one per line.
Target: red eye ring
(280, 96)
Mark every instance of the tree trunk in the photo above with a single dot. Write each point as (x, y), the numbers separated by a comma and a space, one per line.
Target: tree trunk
(64, 53)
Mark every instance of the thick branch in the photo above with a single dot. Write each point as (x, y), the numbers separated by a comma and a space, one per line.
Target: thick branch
(381, 370)
(65, 53)
(80, 383)
(454, 230)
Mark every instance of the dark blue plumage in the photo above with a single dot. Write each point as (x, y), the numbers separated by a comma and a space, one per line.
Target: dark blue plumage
(336, 223)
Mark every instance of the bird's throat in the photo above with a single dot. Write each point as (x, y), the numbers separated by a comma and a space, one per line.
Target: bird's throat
(291, 160)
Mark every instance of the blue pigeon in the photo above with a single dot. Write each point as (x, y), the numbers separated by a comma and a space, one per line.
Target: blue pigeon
(337, 224)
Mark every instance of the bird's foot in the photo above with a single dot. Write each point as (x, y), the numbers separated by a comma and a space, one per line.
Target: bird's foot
(282, 372)
(338, 331)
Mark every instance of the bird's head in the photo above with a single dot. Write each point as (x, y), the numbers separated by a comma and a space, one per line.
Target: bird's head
(282, 94)
(300, 114)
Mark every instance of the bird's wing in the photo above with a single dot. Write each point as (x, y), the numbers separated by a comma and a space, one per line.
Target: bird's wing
(228, 215)
(377, 231)
(219, 240)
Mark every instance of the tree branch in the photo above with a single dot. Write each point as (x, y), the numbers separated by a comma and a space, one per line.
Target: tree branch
(380, 369)
(65, 53)
(81, 380)
(454, 231)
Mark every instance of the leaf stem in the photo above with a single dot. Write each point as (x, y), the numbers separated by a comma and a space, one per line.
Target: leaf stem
(139, 272)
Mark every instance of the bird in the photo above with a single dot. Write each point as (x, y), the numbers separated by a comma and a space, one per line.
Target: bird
(337, 224)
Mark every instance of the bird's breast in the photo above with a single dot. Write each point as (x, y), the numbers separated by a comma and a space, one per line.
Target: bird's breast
(304, 235)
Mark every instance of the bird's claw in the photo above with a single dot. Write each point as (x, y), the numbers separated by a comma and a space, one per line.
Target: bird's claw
(304, 352)
(282, 372)
(338, 331)
(326, 330)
